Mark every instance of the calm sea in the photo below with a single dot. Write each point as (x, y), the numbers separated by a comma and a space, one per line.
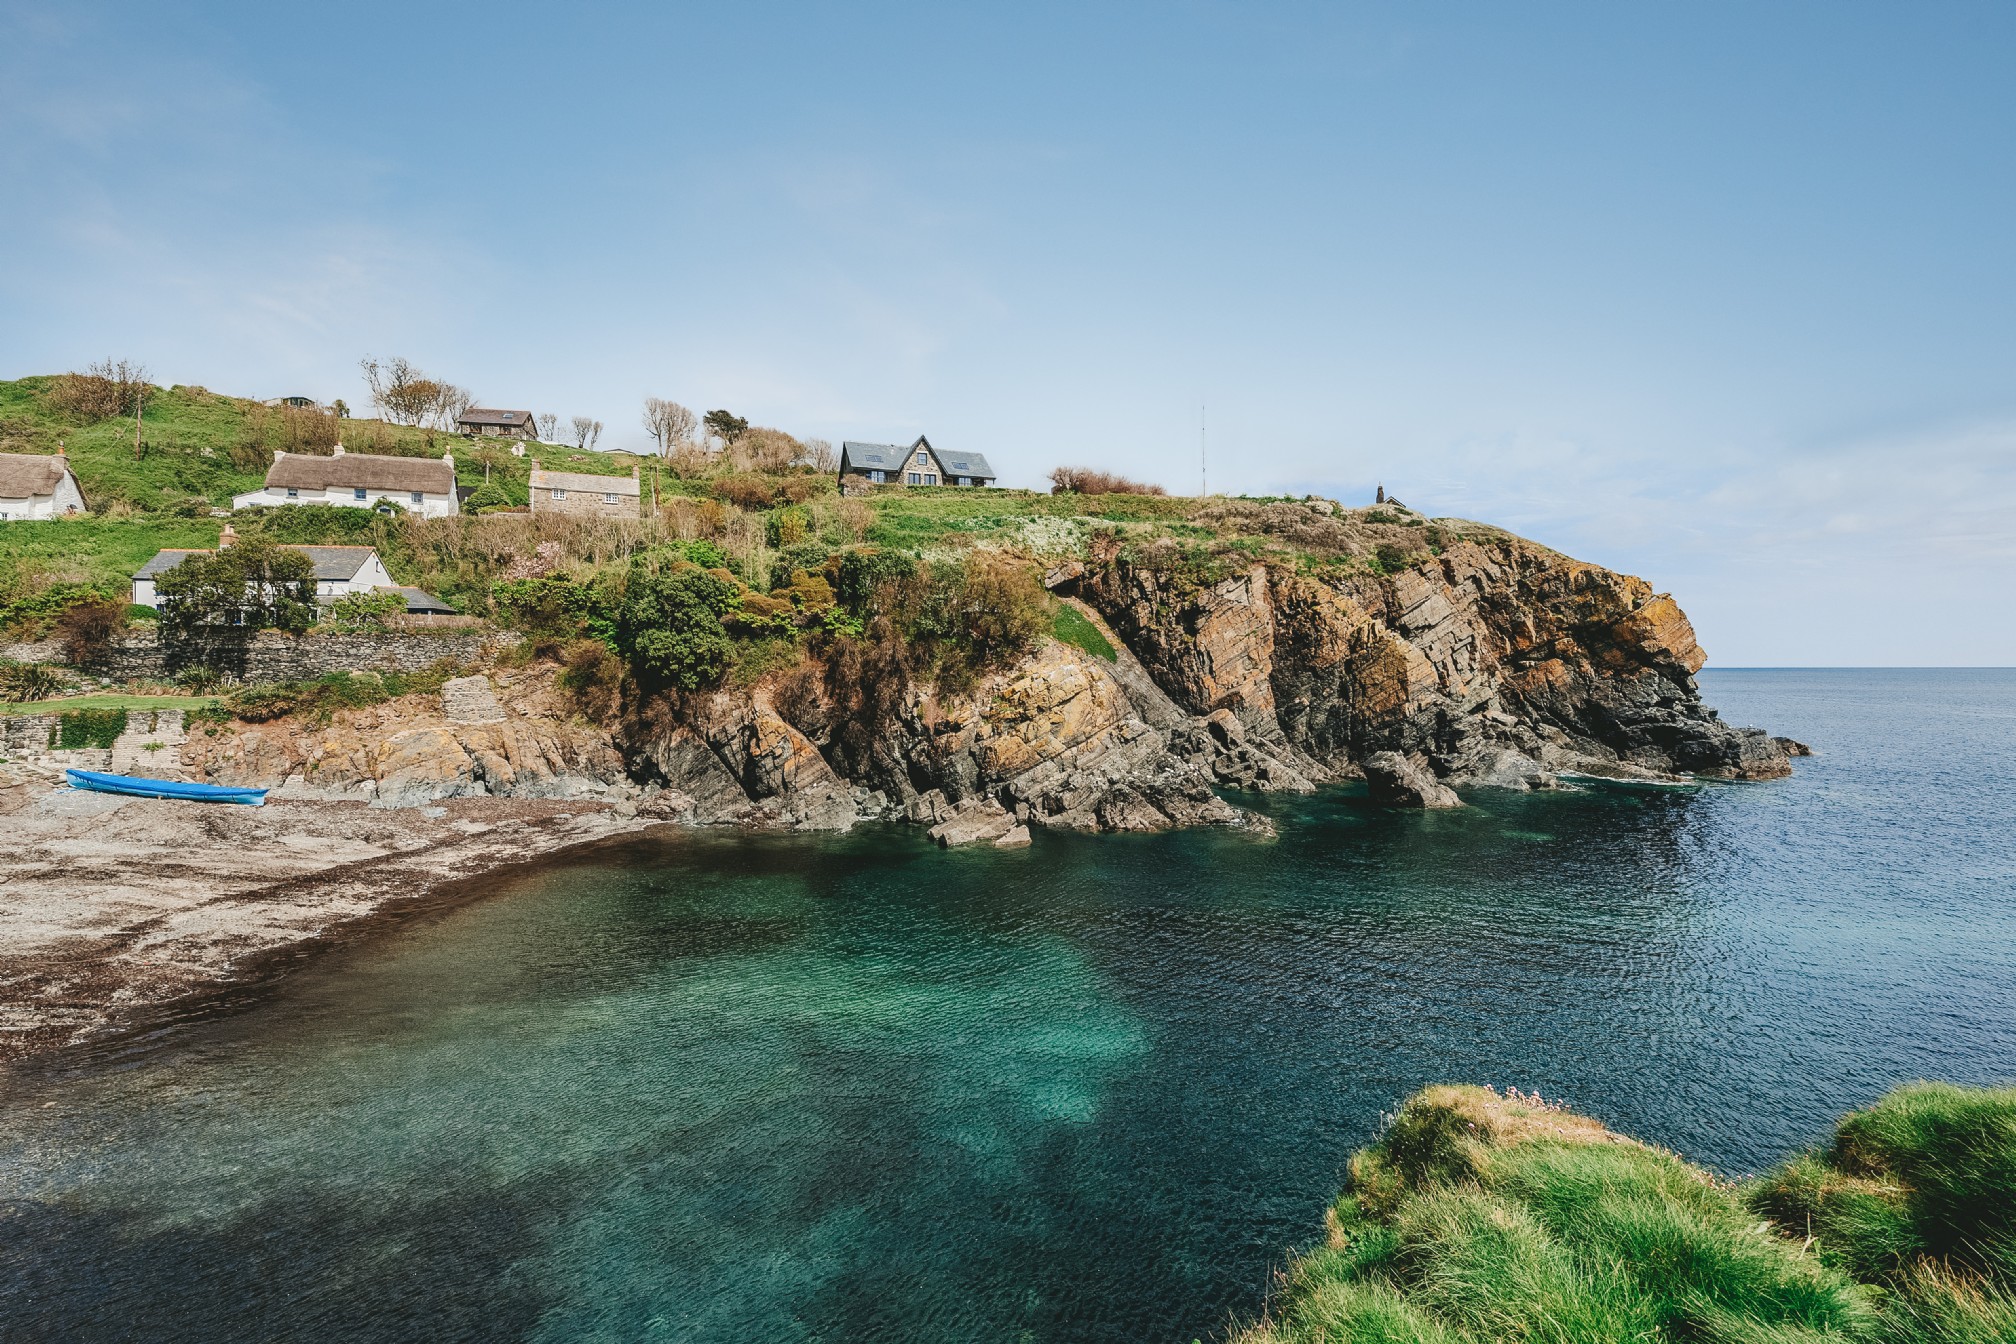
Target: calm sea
(732, 1089)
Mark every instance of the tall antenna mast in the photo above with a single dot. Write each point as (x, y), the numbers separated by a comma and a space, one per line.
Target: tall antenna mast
(1203, 461)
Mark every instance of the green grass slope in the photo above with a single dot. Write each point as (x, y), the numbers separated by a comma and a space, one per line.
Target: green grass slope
(200, 447)
(1480, 1217)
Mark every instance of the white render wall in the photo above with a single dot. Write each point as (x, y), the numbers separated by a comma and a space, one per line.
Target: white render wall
(67, 499)
(430, 505)
(370, 577)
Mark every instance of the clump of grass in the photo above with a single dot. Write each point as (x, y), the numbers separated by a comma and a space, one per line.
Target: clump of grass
(1069, 626)
(1482, 1216)
(1916, 1194)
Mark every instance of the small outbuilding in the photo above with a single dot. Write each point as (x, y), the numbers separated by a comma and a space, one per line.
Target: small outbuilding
(38, 486)
(919, 464)
(577, 492)
(478, 422)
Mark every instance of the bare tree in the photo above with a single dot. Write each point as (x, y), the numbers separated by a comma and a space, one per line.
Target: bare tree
(406, 396)
(595, 434)
(584, 429)
(549, 425)
(764, 449)
(818, 455)
(669, 424)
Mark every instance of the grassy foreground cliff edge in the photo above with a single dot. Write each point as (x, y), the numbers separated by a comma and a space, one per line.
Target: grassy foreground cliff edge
(1478, 1216)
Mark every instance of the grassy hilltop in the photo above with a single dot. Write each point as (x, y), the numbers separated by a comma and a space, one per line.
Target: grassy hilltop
(1487, 1217)
(199, 448)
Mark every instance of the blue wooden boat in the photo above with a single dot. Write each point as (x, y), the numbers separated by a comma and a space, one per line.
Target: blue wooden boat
(136, 786)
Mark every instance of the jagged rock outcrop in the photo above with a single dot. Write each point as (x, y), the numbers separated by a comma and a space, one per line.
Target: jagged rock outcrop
(1497, 663)
(1053, 742)
(1491, 662)
(1395, 781)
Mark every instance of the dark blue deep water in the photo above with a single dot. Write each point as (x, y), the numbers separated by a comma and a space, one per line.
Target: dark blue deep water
(720, 1088)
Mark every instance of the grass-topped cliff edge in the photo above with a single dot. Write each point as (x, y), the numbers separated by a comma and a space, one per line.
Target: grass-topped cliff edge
(1480, 1216)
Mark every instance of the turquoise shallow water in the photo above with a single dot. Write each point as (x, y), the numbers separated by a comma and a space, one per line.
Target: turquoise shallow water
(721, 1088)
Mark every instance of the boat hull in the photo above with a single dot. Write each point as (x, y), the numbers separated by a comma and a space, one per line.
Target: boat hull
(138, 786)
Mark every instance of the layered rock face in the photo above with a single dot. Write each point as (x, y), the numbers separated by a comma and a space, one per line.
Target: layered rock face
(399, 755)
(1497, 663)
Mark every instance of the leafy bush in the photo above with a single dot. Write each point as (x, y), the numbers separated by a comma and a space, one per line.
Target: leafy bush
(488, 498)
(79, 728)
(88, 630)
(23, 683)
(354, 612)
(254, 585)
(669, 623)
(863, 579)
(554, 608)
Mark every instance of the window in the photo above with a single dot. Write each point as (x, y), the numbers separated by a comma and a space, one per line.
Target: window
(878, 476)
(965, 480)
(419, 497)
(292, 493)
(922, 457)
(559, 494)
(357, 493)
(930, 478)
(609, 499)
(914, 479)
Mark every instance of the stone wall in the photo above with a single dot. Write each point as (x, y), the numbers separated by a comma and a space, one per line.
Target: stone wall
(270, 655)
(149, 746)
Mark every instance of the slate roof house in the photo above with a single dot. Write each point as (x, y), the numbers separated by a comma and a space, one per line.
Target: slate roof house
(580, 493)
(422, 485)
(339, 572)
(919, 464)
(511, 424)
(35, 485)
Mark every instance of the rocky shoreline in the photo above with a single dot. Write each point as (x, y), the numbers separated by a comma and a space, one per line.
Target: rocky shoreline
(116, 911)
(1501, 664)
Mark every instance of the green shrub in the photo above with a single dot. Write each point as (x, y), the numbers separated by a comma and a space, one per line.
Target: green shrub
(24, 683)
(354, 612)
(76, 728)
(669, 623)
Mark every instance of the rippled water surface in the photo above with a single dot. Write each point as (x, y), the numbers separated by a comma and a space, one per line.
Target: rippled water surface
(794, 1090)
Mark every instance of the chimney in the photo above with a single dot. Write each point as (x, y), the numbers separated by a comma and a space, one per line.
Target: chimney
(337, 451)
(227, 538)
(449, 458)
(59, 449)
(535, 464)
(637, 473)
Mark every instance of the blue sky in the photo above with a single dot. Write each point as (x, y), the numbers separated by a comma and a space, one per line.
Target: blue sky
(1723, 295)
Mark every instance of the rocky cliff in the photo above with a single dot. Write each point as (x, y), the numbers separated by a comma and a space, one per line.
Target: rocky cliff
(1486, 661)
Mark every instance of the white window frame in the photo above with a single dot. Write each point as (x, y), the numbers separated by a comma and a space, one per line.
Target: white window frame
(419, 496)
(359, 492)
(557, 494)
(608, 498)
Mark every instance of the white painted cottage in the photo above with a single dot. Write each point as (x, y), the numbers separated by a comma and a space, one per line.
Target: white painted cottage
(422, 485)
(37, 485)
(339, 572)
